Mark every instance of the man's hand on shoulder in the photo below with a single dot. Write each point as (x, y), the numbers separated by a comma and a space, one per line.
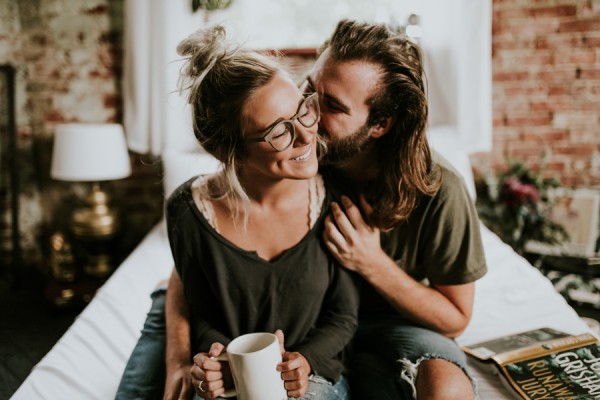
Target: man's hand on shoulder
(350, 239)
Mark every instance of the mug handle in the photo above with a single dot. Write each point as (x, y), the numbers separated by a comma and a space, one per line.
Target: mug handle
(230, 392)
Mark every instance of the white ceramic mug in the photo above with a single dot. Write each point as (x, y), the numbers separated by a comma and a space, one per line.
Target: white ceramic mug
(253, 360)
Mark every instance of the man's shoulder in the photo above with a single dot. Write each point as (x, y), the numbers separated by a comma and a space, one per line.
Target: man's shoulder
(452, 185)
(460, 176)
(451, 200)
(448, 172)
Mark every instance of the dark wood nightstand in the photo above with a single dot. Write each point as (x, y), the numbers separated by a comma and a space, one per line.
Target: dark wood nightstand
(584, 266)
(70, 285)
(577, 279)
(72, 295)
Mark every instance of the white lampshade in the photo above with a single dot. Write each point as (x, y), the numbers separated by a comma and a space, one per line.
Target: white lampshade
(89, 153)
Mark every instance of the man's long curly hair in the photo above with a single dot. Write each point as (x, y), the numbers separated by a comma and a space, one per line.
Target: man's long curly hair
(406, 166)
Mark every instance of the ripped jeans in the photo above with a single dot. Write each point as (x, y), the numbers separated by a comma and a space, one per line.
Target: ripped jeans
(387, 354)
(320, 388)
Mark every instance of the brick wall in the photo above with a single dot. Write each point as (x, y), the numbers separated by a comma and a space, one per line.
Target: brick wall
(546, 88)
(68, 55)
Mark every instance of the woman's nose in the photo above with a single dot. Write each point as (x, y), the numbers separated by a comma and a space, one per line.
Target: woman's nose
(305, 135)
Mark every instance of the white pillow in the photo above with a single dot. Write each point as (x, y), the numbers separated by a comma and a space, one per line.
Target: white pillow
(446, 142)
(180, 166)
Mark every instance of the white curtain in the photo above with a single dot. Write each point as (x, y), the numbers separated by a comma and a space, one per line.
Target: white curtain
(156, 117)
(456, 41)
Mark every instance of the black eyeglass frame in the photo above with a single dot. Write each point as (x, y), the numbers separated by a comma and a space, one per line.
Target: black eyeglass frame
(290, 122)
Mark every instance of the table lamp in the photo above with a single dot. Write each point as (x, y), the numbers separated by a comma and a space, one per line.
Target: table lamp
(92, 153)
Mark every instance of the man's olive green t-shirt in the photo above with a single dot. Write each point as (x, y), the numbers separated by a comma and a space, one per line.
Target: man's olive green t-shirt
(439, 244)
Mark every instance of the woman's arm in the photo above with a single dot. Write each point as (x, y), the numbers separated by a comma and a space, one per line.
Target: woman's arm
(184, 373)
(337, 321)
(178, 357)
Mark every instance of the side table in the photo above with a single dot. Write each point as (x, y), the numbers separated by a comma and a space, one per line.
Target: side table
(71, 286)
(577, 279)
(584, 266)
(72, 295)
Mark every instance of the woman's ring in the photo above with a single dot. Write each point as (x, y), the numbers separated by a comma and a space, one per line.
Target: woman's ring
(200, 387)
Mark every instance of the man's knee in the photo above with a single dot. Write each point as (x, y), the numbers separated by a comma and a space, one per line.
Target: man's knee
(441, 379)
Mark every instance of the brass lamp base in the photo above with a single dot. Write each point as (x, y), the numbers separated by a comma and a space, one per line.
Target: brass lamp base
(95, 225)
(95, 219)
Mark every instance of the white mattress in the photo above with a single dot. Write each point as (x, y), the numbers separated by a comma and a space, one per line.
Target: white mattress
(89, 359)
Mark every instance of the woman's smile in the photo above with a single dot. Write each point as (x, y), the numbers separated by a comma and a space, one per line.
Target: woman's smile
(304, 156)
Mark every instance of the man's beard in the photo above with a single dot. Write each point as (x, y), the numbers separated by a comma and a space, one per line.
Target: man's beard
(340, 151)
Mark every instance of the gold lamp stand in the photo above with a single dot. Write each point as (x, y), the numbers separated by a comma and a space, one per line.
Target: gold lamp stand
(92, 153)
(96, 224)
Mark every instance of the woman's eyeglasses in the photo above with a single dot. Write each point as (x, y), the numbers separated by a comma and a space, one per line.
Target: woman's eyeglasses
(282, 134)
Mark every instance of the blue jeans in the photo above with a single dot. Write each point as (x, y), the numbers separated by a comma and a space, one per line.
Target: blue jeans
(144, 375)
(387, 352)
(320, 388)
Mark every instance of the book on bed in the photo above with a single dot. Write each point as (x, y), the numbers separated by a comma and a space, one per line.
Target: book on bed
(544, 363)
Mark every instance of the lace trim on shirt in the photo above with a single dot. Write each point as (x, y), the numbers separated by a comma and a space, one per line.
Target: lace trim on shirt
(203, 203)
(316, 196)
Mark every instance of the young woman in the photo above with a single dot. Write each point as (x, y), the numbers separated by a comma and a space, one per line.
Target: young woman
(247, 241)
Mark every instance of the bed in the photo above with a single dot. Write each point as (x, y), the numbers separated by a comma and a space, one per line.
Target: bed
(87, 362)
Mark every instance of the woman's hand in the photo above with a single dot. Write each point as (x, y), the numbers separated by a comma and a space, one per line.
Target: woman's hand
(294, 369)
(210, 377)
(350, 239)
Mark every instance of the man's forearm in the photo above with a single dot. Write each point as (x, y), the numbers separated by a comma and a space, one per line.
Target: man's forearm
(178, 350)
(420, 303)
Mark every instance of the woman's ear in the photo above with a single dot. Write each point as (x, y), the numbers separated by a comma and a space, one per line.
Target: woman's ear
(382, 127)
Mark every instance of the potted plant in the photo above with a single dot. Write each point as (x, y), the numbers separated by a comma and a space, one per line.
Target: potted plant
(510, 202)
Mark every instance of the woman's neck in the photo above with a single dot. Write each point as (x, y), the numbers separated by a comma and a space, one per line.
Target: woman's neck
(265, 192)
(278, 216)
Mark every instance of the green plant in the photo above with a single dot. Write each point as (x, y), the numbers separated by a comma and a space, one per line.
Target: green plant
(210, 5)
(510, 202)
